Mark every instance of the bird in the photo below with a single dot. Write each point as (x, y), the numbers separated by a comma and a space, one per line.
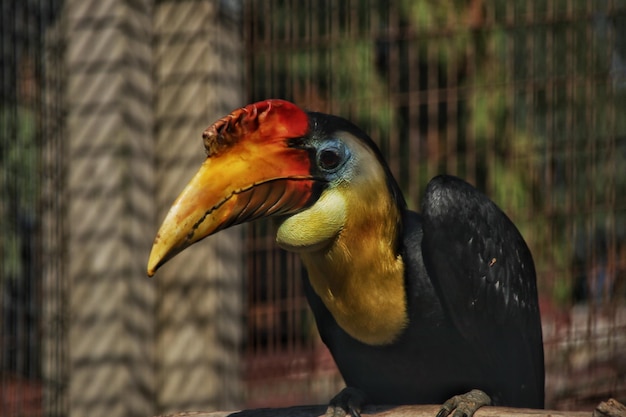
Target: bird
(438, 306)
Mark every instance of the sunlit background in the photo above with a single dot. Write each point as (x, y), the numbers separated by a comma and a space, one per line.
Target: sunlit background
(102, 104)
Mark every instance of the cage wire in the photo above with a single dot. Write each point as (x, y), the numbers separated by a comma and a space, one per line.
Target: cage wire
(32, 352)
(524, 99)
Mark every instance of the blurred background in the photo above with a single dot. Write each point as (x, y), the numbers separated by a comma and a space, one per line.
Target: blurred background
(102, 105)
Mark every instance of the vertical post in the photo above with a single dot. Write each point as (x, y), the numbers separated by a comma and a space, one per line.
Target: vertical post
(198, 79)
(110, 183)
(54, 288)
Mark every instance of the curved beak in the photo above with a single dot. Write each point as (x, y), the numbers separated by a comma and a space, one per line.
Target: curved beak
(251, 171)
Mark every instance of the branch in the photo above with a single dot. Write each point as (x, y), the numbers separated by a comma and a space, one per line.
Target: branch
(609, 408)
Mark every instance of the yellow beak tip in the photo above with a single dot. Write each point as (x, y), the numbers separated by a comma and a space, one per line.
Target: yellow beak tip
(151, 270)
(154, 262)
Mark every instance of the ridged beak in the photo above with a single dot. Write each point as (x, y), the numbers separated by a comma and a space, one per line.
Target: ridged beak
(252, 171)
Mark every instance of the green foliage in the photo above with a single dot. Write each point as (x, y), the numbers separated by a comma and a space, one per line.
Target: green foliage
(18, 186)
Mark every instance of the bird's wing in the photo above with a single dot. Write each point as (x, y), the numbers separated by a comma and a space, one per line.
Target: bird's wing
(485, 276)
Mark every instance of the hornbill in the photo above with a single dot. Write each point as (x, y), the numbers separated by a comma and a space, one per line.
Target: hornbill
(437, 307)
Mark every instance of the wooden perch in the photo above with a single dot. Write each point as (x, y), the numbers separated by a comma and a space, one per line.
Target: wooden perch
(609, 408)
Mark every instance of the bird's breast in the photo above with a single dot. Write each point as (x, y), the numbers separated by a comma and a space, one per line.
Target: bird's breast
(367, 298)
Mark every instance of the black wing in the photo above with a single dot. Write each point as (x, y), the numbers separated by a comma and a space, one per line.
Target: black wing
(485, 276)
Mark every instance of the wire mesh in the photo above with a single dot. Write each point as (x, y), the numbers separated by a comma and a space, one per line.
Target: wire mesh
(520, 98)
(32, 357)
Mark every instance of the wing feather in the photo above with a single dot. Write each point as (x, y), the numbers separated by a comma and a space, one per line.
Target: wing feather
(484, 274)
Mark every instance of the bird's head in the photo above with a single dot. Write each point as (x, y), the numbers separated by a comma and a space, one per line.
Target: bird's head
(272, 158)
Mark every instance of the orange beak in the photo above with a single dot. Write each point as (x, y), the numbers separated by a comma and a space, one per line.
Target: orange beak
(252, 171)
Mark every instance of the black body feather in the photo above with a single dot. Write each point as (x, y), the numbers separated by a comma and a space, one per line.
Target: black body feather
(472, 309)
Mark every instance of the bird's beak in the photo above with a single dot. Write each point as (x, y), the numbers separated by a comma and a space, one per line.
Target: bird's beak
(252, 171)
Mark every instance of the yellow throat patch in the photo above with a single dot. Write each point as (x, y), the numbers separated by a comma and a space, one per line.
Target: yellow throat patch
(347, 243)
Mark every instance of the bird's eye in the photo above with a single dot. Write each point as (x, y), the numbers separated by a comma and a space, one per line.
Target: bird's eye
(329, 159)
(331, 155)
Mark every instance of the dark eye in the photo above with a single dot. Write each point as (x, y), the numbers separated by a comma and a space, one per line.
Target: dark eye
(329, 159)
(331, 155)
